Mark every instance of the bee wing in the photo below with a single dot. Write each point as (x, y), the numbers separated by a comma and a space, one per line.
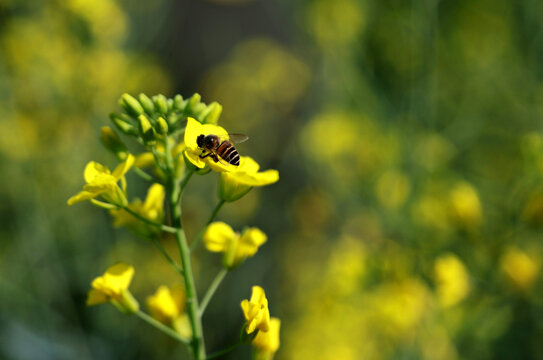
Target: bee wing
(237, 138)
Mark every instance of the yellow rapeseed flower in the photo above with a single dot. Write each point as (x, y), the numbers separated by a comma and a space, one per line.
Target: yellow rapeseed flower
(452, 280)
(102, 182)
(220, 237)
(236, 183)
(256, 311)
(521, 268)
(267, 343)
(168, 306)
(466, 206)
(152, 209)
(192, 152)
(113, 287)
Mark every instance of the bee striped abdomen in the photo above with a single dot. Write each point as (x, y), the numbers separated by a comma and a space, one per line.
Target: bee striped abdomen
(228, 152)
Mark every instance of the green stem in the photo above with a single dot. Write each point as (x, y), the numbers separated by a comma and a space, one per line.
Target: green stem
(197, 343)
(211, 291)
(165, 228)
(223, 351)
(175, 190)
(209, 221)
(165, 254)
(160, 326)
(184, 182)
(143, 174)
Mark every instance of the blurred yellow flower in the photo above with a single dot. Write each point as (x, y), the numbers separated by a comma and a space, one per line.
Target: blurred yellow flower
(152, 209)
(267, 343)
(466, 206)
(392, 188)
(113, 287)
(101, 182)
(168, 306)
(192, 152)
(521, 268)
(452, 280)
(234, 184)
(400, 306)
(256, 311)
(336, 23)
(220, 237)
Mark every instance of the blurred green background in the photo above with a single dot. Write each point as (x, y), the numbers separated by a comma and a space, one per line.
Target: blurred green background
(408, 137)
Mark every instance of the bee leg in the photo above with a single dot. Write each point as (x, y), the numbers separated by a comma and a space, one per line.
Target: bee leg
(215, 158)
(202, 156)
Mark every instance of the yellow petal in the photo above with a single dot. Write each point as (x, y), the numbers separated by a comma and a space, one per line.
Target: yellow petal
(220, 166)
(256, 311)
(193, 156)
(96, 297)
(248, 174)
(208, 129)
(193, 129)
(254, 179)
(248, 164)
(144, 160)
(258, 296)
(269, 341)
(123, 167)
(101, 182)
(154, 202)
(82, 196)
(162, 305)
(217, 236)
(94, 169)
(115, 279)
(250, 240)
(182, 325)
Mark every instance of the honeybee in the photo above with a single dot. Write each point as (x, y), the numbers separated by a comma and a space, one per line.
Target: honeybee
(217, 147)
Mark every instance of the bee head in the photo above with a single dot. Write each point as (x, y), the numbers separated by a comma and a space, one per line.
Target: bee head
(200, 140)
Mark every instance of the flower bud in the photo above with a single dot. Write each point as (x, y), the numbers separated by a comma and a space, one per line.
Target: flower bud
(113, 143)
(173, 120)
(123, 123)
(161, 126)
(147, 104)
(179, 103)
(212, 113)
(193, 102)
(131, 105)
(161, 103)
(146, 131)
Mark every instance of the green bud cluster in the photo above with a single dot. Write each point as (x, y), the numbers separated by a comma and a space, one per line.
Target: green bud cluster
(149, 119)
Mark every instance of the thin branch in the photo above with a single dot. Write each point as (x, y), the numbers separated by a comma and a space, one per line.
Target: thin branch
(223, 351)
(144, 175)
(160, 326)
(165, 228)
(184, 183)
(165, 254)
(209, 221)
(211, 290)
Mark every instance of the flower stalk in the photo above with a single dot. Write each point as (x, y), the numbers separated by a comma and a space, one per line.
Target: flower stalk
(197, 343)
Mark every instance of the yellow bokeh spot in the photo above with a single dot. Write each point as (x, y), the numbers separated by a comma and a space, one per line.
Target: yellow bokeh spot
(393, 188)
(465, 205)
(521, 268)
(452, 280)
